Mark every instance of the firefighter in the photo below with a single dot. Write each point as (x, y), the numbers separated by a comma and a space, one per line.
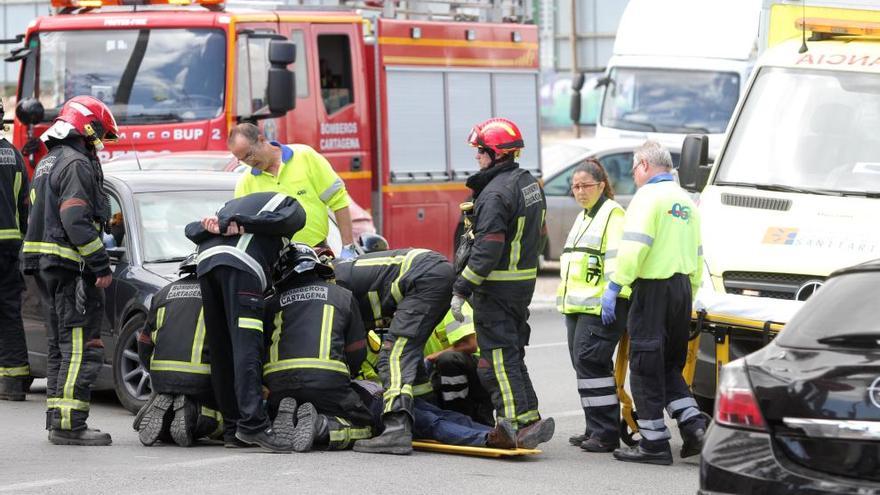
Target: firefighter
(499, 273)
(63, 247)
(237, 249)
(660, 257)
(315, 339)
(14, 370)
(172, 349)
(410, 288)
(587, 259)
(300, 172)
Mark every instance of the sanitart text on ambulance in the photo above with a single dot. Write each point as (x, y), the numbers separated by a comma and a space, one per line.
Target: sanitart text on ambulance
(793, 194)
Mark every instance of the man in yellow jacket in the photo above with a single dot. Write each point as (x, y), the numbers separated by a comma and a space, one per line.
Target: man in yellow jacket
(299, 172)
(660, 257)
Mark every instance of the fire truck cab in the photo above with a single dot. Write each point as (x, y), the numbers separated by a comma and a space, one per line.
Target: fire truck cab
(387, 93)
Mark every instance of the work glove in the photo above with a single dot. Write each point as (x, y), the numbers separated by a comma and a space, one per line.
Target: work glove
(348, 252)
(457, 303)
(32, 146)
(609, 302)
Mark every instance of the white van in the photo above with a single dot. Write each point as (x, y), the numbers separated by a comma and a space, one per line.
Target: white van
(678, 68)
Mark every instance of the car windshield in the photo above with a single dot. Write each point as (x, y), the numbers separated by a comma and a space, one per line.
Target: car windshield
(663, 100)
(217, 163)
(144, 75)
(557, 156)
(813, 130)
(846, 305)
(164, 215)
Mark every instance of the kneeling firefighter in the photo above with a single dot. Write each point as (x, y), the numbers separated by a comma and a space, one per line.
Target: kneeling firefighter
(173, 350)
(315, 343)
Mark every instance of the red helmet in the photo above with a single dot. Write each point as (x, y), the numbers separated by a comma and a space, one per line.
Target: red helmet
(499, 135)
(91, 118)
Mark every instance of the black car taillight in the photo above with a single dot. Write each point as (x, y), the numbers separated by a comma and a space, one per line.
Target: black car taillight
(735, 404)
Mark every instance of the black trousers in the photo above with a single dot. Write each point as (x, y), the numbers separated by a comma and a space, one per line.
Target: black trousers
(591, 346)
(659, 319)
(503, 333)
(13, 347)
(457, 387)
(233, 308)
(75, 348)
(401, 358)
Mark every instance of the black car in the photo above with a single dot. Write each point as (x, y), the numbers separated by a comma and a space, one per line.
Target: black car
(802, 415)
(146, 242)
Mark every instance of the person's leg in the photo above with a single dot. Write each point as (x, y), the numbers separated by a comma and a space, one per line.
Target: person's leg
(595, 349)
(217, 336)
(571, 327)
(14, 369)
(48, 286)
(433, 423)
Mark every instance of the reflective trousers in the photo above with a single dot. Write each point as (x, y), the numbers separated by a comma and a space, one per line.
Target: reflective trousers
(591, 346)
(75, 351)
(401, 358)
(659, 319)
(233, 308)
(502, 334)
(13, 347)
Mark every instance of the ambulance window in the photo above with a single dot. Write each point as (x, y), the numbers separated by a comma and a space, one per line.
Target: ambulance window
(334, 61)
(301, 67)
(252, 80)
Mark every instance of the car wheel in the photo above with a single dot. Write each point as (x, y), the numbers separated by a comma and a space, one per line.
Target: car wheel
(130, 379)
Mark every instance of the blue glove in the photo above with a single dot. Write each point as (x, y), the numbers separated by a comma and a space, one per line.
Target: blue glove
(609, 302)
(348, 252)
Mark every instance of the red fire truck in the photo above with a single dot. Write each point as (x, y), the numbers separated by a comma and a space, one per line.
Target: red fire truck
(387, 91)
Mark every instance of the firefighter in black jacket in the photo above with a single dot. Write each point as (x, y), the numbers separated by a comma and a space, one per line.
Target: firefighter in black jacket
(500, 271)
(410, 288)
(63, 246)
(316, 341)
(237, 249)
(172, 349)
(14, 370)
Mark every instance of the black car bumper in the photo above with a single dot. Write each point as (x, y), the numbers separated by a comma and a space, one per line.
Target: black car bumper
(738, 461)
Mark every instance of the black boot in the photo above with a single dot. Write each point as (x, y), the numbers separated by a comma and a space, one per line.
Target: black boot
(12, 388)
(577, 440)
(155, 419)
(693, 442)
(183, 425)
(139, 417)
(638, 454)
(285, 420)
(396, 439)
(267, 439)
(595, 444)
(85, 437)
(536, 433)
(311, 428)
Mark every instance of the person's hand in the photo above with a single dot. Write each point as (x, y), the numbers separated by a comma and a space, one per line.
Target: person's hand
(32, 146)
(609, 303)
(233, 229)
(103, 282)
(455, 306)
(348, 252)
(211, 224)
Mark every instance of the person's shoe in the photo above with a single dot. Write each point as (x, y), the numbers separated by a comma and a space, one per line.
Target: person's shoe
(266, 439)
(86, 437)
(693, 443)
(638, 454)
(155, 419)
(186, 415)
(285, 420)
(577, 440)
(503, 436)
(396, 439)
(536, 433)
(234, 443)
(595, 445)
(12, 388)
(139, 417)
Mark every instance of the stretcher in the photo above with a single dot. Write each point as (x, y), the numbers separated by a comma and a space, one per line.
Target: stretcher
(722, 316)
(434, 446)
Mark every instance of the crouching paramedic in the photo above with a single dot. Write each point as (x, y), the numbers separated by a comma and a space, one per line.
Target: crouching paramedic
(315, 338)
(172, 349)
(411, 288)
(237, 249)
(63, 246)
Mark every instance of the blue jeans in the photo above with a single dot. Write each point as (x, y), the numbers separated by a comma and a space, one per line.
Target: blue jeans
(447, 427)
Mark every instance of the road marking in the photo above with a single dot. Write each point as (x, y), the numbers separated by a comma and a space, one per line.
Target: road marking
(34, 484)
(552, 344)
(201, 462)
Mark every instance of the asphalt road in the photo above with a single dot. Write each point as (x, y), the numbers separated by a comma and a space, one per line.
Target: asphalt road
(29, 464)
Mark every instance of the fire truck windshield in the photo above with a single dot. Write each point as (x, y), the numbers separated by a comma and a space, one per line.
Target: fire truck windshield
(145, 75)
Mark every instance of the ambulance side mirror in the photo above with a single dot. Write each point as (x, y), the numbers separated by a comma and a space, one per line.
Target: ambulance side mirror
(694, 167)
(281, 83)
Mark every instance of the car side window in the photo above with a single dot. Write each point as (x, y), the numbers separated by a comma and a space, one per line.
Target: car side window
(619, 168)
(114, 231)
(561, 184)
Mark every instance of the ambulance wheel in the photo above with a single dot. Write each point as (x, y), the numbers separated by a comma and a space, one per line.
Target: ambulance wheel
(130, 380)
(627, 435)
